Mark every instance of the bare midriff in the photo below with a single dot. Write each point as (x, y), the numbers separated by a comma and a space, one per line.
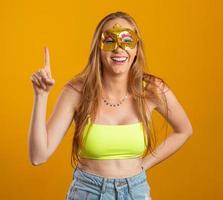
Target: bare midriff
(118, 168)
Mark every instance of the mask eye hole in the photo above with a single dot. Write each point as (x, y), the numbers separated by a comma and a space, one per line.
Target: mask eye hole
(126, 37)
(109, 39)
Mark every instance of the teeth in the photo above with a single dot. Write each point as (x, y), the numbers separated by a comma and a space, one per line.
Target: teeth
(119, 59)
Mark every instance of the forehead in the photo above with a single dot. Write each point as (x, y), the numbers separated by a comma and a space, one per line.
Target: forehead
(120, 21)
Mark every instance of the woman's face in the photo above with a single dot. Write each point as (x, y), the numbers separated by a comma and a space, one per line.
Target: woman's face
(118, 60)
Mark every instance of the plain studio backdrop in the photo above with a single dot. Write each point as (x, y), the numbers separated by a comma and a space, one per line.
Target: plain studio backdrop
(183, 44)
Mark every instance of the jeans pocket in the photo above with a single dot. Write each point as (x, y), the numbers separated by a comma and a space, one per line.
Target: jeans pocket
(141, 191)
(83, 191)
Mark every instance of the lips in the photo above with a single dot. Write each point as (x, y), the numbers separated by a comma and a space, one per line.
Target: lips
(119, 59)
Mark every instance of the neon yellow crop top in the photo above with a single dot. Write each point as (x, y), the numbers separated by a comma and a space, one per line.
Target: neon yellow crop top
(102, 141)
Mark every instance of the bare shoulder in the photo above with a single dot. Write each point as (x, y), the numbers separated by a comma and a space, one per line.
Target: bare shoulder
(158, 84)
(74, 86)
(73, 91)
(156, 87)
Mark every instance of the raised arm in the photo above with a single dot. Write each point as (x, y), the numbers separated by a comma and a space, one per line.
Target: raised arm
(44, 137)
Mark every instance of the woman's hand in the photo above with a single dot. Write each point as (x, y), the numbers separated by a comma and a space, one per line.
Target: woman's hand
(42, 80)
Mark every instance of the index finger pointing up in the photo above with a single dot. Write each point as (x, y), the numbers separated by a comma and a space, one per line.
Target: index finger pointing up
(46, 59)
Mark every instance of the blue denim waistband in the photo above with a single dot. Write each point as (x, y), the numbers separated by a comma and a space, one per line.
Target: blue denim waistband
(86, 177)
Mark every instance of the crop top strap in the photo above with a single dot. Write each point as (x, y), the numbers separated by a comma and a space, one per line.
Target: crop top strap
(89, 118)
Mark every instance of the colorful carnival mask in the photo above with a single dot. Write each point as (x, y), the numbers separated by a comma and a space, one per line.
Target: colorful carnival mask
(118, 37)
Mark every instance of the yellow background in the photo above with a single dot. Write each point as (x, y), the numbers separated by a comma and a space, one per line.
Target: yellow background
(183, 43)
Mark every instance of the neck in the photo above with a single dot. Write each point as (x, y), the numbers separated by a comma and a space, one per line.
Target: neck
(114, 87)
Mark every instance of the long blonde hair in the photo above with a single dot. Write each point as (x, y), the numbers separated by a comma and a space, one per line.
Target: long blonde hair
(141, 85)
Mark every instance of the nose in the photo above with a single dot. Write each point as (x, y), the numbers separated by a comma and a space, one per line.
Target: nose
(118, 48)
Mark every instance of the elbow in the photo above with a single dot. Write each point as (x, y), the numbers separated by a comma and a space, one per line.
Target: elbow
(187, 132)
(37, 158)
(190, 132)
(37, 163)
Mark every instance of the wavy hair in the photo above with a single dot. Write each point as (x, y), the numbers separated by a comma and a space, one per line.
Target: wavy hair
(141, 85)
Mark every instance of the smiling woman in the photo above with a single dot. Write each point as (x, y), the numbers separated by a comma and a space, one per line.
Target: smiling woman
(111, 143)
(108, 146)
(111, 102)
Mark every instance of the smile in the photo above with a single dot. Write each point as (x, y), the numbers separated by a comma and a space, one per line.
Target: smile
(119, 60)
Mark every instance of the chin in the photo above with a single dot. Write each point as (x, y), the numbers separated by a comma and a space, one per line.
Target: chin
(119, 70)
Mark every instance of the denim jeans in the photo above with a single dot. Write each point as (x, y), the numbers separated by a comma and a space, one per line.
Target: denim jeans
(88, 186)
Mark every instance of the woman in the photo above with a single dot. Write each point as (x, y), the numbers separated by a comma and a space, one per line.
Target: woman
(111, 102)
